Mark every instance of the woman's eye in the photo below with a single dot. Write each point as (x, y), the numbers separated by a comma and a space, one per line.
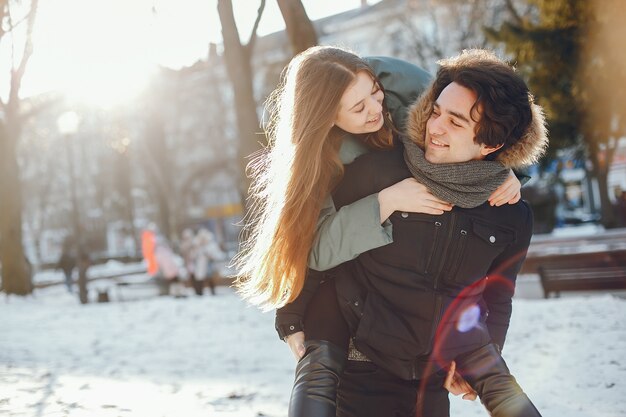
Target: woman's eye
(455, 123)
(361, 110)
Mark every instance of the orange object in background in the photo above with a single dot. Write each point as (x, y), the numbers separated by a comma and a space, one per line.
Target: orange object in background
(148, 245)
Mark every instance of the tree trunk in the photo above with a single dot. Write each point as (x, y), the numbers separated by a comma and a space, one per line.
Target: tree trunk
(607, 212)
(600, 171)
(161, 169)
(239, 68)
(15, 279)
(164, 216)
(129, 207)
(300, 29)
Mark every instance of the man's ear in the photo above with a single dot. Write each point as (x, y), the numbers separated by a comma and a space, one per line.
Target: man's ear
(486, 150)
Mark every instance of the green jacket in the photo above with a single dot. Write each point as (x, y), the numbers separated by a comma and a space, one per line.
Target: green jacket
(345, 234)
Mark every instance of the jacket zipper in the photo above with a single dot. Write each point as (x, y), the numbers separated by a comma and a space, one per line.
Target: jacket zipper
(445, 249)
(436, 318)
(462, 245)
(433, 247)
(438, 300)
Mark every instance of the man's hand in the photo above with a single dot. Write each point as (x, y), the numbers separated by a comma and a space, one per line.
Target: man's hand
(296, 344)
(456, 385)
(507, 192)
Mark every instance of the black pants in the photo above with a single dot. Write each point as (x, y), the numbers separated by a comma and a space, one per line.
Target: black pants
(365, 389)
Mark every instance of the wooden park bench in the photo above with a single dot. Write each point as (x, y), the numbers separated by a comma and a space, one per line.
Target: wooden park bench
(124, 283)
(571, 275)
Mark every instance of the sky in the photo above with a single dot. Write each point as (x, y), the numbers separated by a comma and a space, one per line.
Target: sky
(103, 51)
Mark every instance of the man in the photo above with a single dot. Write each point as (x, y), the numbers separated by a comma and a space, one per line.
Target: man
(415, 305)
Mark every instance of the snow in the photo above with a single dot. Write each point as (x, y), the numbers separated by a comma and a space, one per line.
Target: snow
(217, 356)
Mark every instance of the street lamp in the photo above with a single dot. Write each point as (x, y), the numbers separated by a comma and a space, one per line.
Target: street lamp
(68, 125)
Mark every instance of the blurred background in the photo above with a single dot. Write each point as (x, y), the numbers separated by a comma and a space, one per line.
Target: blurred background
(115, 115)
(125, 127)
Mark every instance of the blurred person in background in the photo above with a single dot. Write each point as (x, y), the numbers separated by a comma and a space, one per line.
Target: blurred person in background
(148, 245)
(67, 262)
(188, 252)
(207, 252)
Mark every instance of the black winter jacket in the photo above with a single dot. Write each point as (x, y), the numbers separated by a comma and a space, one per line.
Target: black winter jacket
(414, 305)
(443, 287)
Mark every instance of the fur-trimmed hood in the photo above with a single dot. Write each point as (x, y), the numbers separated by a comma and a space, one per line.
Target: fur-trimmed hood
(523, 153)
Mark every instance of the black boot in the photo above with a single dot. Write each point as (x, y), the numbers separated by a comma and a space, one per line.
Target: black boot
(486, 371)
(314, 391)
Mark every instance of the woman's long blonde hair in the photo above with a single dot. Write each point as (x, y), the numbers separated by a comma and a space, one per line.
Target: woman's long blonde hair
(296, 172)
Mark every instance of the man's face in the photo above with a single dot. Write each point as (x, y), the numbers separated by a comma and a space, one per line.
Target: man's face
(450, 129)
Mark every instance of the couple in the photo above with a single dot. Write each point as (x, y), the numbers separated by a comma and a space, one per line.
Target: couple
(420, 226)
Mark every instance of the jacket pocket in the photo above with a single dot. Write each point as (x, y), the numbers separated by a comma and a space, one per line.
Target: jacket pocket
(477, 247)
(414, 240)
(391, 333)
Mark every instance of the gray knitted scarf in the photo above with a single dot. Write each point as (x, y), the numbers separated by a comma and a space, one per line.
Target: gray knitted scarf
(464, 184)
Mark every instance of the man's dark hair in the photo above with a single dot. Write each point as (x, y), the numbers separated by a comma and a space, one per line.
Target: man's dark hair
(502, 108)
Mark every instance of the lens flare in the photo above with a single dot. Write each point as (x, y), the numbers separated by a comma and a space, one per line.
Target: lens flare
(468, 318)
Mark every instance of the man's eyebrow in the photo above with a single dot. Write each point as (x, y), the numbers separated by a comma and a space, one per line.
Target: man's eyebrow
(459, 116)
(455, 114)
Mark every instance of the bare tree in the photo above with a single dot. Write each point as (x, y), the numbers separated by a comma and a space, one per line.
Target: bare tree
(42, 177)
(431, 30)
(299, 27)
(118, 188)
(238, 63)
(159, 167)
(14, 273)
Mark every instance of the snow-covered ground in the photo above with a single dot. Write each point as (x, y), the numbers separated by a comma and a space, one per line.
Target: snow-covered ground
(216, 356)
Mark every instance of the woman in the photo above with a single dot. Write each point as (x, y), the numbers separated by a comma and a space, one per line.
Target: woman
(304, 167)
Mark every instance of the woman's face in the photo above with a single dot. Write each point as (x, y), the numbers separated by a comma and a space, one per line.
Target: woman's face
(361, 106)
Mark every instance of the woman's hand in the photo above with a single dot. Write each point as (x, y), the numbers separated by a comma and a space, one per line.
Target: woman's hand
(508, 192)
(410, 196)
(295, 342)
(456, 385)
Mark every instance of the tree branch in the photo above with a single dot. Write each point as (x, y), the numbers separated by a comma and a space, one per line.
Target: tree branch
(18, 74)
(3, 11)
(13, 26)
(230, 34)
(514, 13)
(299, 28)
(253, 36)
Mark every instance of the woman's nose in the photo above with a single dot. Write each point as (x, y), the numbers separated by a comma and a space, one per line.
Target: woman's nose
(376, 106)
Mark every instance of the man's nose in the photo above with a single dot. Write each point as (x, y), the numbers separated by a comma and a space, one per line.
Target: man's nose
(435, 127)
